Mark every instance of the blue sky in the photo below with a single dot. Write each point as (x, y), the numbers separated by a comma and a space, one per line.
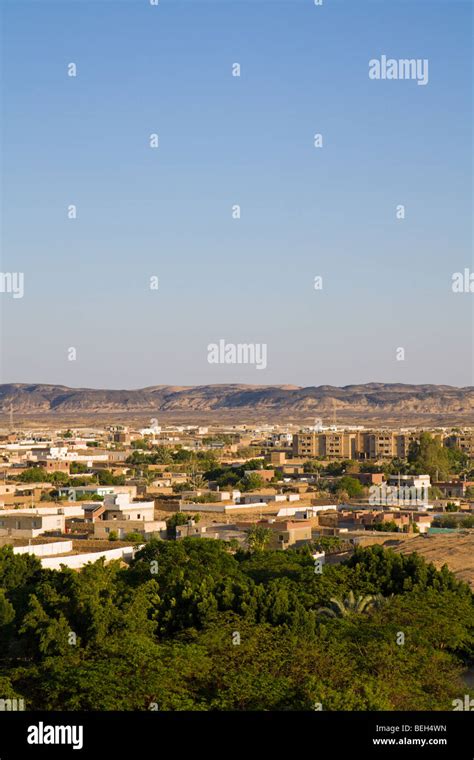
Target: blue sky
(226, 140)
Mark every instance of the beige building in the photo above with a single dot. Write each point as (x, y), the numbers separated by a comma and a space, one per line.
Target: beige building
(31, 524)
(121, 516)
(307, 445)
(380, 445)
(333, 445)
(464, 442)
(287, 533)
(370, 444)
(122, 527)
(404, 441)
(277, 457)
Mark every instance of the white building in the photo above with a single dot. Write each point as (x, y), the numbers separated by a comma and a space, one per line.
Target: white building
(122, 516)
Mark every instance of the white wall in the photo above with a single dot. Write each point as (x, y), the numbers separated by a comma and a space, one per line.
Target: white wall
(300, 510)
(79, 560)
(45, 550)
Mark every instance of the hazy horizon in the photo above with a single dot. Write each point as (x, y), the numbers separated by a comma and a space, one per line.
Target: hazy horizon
(283, 386)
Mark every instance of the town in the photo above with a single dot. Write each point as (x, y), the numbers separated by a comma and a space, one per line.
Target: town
(72, 496)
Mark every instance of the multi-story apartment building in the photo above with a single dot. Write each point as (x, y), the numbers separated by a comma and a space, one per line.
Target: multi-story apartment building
(464, 442)
(377, 445)
(403, 443)
(340, 445)
(370, 444)
(307, 445)
(333, 445)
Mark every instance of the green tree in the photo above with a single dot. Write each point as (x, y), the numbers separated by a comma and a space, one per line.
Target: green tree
(163, 455)
(351, 605)
(429, 456)
(137, 538)
(258, 537)
(33, 475)
(60, 478)
(385, 527)
(178, 518)
(252, 482)
(351, 486)
(106, 478)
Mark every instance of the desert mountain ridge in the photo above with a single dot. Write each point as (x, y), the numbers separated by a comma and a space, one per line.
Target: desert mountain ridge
(369, 400)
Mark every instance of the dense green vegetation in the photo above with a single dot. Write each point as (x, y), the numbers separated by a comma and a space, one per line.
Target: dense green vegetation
(454, 521)
(146, 454)
(385, 527)
(192, 625)
(235, 477)
(350, 486)
(428, 455)
(40, 475)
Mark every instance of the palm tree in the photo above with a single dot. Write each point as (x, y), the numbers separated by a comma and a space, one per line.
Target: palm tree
(197, 482)
(258, 538)
(339, 608)
(380, 601)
